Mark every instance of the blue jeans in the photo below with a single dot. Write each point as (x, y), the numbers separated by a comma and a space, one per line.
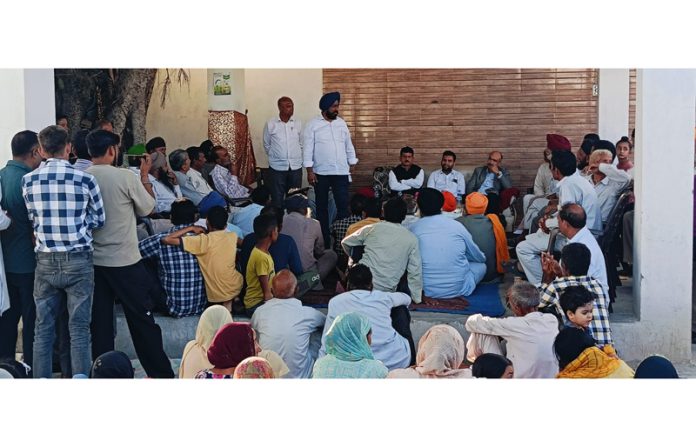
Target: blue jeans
(70, 277)
(339, 186)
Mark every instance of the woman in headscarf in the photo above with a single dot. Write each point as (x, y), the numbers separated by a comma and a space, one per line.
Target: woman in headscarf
(112, 365)
(348, 351)
(254, 368)
(656, 367)
(233, 343)
(195, 356)
(579, 358)
(440, 355)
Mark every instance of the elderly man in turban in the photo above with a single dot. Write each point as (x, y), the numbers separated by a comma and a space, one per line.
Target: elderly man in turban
(452, 263)
(329, 157)
(487, 232)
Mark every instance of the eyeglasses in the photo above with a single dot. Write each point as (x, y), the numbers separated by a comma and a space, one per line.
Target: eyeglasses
(494, 160)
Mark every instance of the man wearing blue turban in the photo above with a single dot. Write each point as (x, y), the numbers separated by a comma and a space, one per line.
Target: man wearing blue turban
(329, 157)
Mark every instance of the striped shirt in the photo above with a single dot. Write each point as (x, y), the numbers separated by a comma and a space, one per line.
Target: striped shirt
(64, 205)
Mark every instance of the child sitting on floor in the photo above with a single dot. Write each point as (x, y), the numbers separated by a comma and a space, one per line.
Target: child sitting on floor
(260, 268)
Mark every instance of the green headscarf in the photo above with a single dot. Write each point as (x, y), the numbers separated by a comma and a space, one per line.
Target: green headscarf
(347, 338)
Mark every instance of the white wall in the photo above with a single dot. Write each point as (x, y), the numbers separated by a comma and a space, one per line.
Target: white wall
(664, 175)
(183, 121)
(264, 87)
(614, 86)
(27, 102)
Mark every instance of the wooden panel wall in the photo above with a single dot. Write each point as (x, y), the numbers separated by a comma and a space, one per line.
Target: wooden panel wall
(631, 101)
(469, 111)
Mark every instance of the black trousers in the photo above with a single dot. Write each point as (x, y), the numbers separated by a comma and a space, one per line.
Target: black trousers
(132, 285)
(21, 290)
(401, 322)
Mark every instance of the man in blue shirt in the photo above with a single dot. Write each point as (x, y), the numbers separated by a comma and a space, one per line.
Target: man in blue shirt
(18, 248)
(452, 263)
(244, 217)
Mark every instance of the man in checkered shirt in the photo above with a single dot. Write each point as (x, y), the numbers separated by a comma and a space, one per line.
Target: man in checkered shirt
(572, 271)
(340, 227)
(178, 270)
(64, 205)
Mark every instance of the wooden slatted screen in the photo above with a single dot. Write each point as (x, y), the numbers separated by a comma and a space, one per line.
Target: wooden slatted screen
(469, 111)
(631, 101)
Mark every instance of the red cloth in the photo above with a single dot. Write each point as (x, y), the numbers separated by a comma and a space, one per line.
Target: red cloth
(233, 343)
(557, 142)
(506, 196)
(230, 130)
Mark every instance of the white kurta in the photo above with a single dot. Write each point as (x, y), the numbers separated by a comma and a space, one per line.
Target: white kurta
(387, 345)
(529, 341)
(4, 294)
(285, 326)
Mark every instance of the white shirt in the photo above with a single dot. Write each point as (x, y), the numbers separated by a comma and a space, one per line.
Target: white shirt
(164, 197)
(544, 184)
(193, 185)
(598, 269)
(285, 326)
(327, 147)
(529, 341)
(387, 345)
(576, 189)
(406, 184)
(281, 141)
(453, 182)
(608, 188)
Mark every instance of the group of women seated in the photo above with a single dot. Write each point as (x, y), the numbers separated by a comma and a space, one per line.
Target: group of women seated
(224, 349)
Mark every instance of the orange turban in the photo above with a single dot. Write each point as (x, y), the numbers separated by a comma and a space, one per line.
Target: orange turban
(450, 202)
(476, 203)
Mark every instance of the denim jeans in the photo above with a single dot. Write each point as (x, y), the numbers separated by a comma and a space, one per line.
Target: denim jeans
(339, 186)
(73, 274)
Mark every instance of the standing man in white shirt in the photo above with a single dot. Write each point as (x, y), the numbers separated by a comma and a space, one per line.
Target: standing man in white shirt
(281, 141)
(447, 178)
(329, 157)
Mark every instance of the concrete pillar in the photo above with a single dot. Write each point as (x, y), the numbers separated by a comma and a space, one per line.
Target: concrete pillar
(613, 103)
(664, 174)
(27, 101)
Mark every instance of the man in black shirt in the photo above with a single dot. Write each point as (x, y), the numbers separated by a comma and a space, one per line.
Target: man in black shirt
(406, 178)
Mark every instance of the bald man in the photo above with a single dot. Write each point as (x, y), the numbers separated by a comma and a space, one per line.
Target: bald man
(284, 326)
(490, 178)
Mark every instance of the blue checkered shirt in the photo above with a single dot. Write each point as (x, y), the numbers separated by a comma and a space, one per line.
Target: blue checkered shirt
(179, 274)
(64, 205)
(599, 326)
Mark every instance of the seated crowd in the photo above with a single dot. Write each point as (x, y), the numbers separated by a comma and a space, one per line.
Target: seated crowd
(164, 236)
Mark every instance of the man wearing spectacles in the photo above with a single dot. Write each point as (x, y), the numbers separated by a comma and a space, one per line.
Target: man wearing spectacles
(490, 180)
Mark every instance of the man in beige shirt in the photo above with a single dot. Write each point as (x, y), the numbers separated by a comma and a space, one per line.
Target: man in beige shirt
(118, 266)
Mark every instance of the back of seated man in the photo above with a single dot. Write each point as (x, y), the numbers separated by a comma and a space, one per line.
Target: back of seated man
(308, 236)
(244, 217)
(406, 178)
(216, 252)
(340, 227)
(487, 232)
(224, 175)
(370, 215)
(284, 326)
(178, 270)
(572, 271)
(392, 342)
(390, 250)
(529, 334)
(447, 178)
(452, 263)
